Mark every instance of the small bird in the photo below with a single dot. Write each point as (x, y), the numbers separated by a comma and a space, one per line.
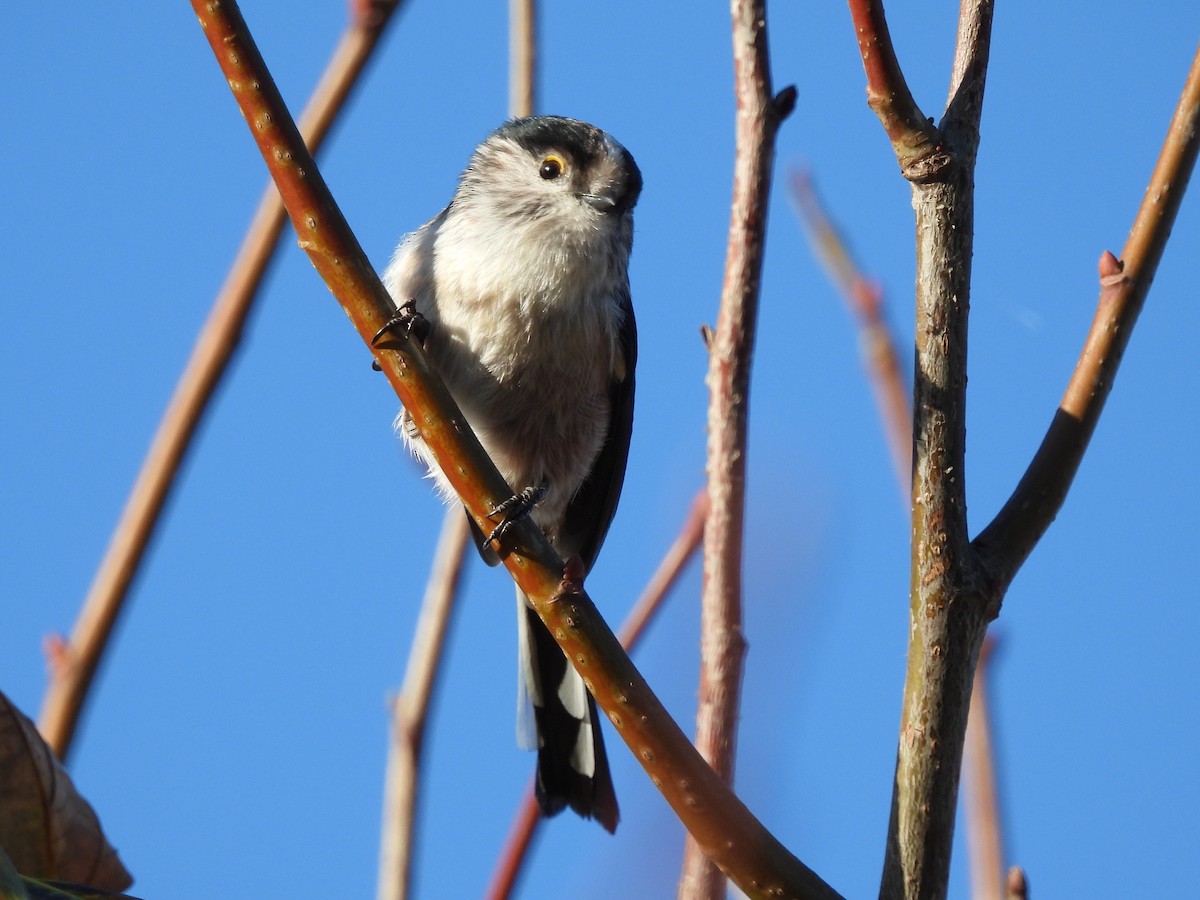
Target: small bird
(520, 287)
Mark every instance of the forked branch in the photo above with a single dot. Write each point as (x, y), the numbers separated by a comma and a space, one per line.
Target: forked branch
(916, 142)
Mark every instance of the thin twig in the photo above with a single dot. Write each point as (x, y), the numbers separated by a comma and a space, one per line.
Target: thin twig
(960, 123)
(662, 582)
(525, 827)
(985, 837)
(877, 344)
(72, 675)
(722, 646)
(1007, 542)
(915, 141)
(522, 57)
(527, 820)
(410, 709)
(728, 832)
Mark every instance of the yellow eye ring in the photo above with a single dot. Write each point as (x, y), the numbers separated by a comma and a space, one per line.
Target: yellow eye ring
(552, 166)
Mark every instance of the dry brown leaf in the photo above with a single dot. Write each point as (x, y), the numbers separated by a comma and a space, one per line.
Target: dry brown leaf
(47, 829)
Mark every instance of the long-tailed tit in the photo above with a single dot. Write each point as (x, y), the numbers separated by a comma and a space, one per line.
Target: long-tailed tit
(523, 284)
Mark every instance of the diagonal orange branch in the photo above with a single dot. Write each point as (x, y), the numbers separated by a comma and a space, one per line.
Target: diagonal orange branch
(722, 825)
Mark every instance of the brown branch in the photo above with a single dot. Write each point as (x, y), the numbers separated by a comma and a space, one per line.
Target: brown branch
(75, 669)
(915, 141)
(876, 341)
(1007, 542)
(527, 820)
(950, 599)
(726, 830)
(410, 709)
(965, 104)
(985, 837)
(522, 58)
(722, 646)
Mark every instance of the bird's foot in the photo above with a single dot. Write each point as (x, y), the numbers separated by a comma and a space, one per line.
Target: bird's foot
(515, 509)
(406, 322)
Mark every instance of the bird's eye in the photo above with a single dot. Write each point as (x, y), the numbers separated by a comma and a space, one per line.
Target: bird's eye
(552, 166)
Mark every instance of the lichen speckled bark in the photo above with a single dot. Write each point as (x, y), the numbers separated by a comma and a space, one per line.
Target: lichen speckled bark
(950, 605)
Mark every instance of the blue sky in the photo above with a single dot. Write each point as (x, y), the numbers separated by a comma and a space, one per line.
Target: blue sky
(235, 743)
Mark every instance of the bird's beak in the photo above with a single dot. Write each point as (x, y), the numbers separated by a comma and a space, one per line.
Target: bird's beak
(609, 201)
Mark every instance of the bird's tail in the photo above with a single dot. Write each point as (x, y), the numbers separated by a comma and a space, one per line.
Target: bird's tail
(572, 767)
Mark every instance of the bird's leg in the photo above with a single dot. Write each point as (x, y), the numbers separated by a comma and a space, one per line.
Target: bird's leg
(573, 574)
(406, 322)
(514, 509)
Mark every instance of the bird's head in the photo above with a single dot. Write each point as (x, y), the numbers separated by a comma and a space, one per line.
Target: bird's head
(553, 171)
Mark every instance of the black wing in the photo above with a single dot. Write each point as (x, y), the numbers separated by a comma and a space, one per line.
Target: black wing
(591, 510)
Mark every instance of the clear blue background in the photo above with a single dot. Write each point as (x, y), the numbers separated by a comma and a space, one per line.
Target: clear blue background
(235, 743)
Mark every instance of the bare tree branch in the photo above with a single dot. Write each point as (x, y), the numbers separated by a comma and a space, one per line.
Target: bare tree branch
(915, 141)
(726, 830)
(957, 585)
(965, 103)
(410, 709)
(985, 837)
(662, 582)
(522, 56)
(516, 849)
(1007, 542)
(76, 661)
(876, 342)
(950, 604)
(722, 646)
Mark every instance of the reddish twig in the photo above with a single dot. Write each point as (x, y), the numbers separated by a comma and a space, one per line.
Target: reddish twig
(1007, 542)
(726, 830)
(525, 825)
(985, 837)
(876, 341)
(722, 646)
(214, 348)
(410, 709)
(915, 141)
(662, 582)
(512, 858)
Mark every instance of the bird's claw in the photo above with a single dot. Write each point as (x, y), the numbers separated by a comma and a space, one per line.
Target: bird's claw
(406, 322)
(513, 510)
